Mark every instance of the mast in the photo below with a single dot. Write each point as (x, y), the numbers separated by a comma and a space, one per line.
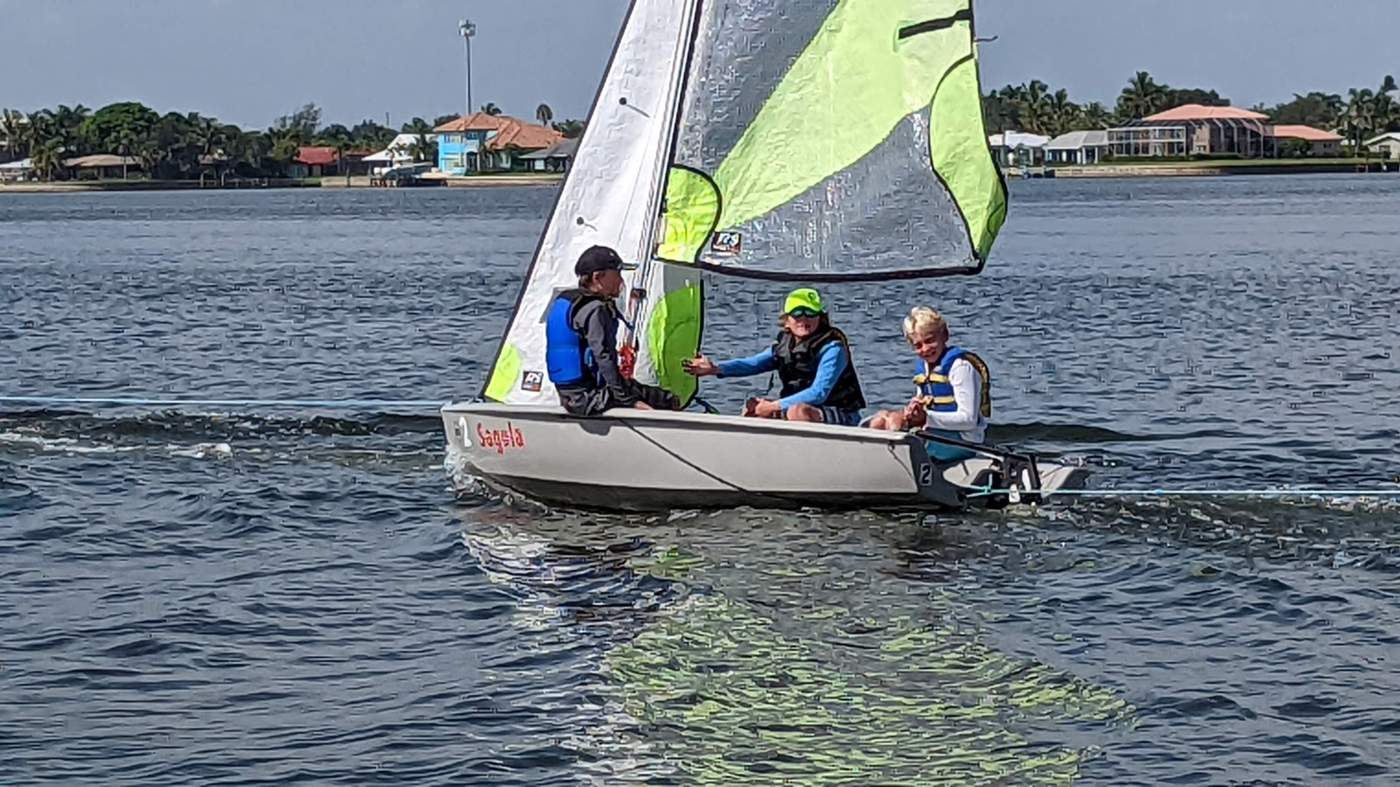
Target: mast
(680, 85)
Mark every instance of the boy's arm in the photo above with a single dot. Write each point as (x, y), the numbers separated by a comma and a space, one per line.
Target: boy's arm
(744, 367)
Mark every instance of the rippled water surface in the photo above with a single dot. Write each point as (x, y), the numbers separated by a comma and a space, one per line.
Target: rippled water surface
(293, 595)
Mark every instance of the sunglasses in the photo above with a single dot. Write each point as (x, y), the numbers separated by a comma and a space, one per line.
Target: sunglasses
(804, 313)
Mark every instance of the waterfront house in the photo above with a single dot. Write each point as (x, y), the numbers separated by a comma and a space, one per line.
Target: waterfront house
(101, 166)
(556, 158)
(1293, 140)
(399, 153)
(1387, 145)
(313, 161)
(1077, 147)
(1193, 130)
(490, 143)
(460, 142)
(17, 170)
(1018, 149)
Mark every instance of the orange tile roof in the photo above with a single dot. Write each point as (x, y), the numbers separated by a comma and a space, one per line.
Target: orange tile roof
(523, 136)
(476, 121)
(1305, 133)
(1199, 112)
(510, 132)
(316, 154)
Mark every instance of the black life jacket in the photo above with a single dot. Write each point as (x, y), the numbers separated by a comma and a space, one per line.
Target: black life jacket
(798, 361)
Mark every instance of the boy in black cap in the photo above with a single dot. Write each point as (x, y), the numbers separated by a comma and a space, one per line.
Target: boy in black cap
(581, 342)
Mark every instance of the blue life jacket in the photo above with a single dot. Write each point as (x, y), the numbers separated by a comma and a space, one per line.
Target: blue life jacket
(937, 391)
(566, 351)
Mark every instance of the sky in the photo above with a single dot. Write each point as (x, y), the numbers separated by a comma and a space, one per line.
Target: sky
(250, 61)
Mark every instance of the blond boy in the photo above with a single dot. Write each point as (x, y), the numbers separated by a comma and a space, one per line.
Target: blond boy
(952, 393)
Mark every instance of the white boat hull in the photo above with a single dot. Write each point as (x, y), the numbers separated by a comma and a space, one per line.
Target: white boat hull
(650, 460)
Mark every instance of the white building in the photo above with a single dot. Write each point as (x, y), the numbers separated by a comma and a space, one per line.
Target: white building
(398, 154)
(1018, 149)
(1077, 147)
(17, 170)
(1386, 145)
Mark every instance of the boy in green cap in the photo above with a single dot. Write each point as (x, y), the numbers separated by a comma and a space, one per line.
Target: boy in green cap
(813, 360)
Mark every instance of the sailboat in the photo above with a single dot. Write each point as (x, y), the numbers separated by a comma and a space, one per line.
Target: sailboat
(819, 141)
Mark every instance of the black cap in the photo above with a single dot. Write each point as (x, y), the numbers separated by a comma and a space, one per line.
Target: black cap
(598, 259)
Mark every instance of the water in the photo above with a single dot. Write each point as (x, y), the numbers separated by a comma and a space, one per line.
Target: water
(293, 595)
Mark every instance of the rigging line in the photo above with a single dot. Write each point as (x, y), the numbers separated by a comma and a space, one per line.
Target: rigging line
(703, 471)
(134, 402)
(1197, 492)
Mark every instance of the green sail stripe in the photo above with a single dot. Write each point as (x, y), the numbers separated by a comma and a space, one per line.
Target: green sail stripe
(692, 211)
(814, 125)
(506, 373)
(673, 335)
(960, 157)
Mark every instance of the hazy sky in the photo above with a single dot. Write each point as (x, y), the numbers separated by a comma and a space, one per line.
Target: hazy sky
(248, 61)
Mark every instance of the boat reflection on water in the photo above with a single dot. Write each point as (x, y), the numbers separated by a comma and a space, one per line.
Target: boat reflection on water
(731, 646)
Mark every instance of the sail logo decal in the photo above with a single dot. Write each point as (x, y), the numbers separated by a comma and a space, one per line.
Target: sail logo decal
(731, 243)
(500, 439)
(532, 381)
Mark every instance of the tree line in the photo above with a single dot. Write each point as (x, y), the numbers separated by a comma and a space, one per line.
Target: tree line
(1035, 108)
(185, 145)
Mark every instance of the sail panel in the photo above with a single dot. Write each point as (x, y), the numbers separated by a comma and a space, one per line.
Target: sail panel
(691, 217)
(816, 127)
(672, 329)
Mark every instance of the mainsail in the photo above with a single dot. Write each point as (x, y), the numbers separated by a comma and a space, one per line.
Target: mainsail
(803, 140)
(611, 197)
(843, 140)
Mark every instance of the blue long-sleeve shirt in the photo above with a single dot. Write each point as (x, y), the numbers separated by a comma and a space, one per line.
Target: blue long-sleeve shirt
(830, 364)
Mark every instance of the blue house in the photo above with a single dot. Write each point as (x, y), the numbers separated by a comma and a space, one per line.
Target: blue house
(490, 143)
(461, 141)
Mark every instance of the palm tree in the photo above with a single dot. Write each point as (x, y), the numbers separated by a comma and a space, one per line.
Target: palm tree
(544, 114)
(421, 149)
(571, 129)
(417, 126)
(14, 130)
(126, 142)
(150, 153)
(1064, 114)
(341, 146)
(68, 121)
(1096, 115)
(489, 108)
(47, 158)
(1142, 97)
(1385, 111)
(1032, 102)
(1359, 117)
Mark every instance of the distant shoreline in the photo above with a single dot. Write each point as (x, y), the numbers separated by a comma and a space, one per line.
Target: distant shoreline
(356, 182)
(1132, 170)
(1208, 168)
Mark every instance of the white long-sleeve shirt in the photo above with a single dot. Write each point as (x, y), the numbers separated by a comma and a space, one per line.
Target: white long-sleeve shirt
(967, 420)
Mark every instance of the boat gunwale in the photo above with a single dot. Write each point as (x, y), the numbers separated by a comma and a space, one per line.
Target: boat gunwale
(727, 423)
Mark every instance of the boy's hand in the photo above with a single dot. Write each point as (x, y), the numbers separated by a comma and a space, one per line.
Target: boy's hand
(766, 408)
(915, 407)
(700, 366)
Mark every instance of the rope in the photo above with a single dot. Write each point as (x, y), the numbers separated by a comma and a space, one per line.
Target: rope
(329, 404)
(986, 492)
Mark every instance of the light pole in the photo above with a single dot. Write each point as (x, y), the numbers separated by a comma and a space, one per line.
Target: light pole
(467, 29)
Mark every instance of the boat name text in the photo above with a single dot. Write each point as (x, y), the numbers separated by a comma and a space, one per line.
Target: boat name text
(500, 439)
